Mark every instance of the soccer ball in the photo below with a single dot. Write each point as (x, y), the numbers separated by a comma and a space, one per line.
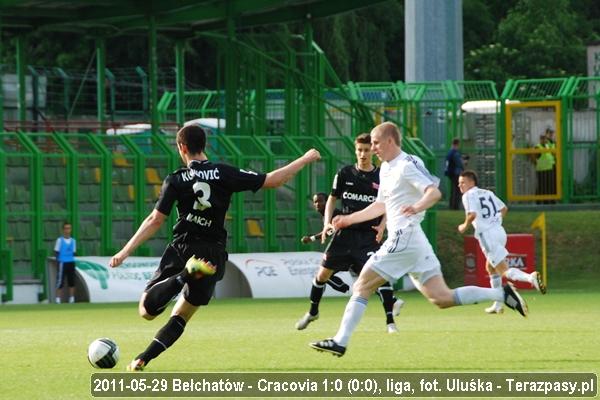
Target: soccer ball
(103, 353)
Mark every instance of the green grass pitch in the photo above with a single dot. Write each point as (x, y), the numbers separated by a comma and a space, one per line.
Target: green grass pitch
(44, 346)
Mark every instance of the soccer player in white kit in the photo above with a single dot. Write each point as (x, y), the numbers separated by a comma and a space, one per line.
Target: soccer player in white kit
(406, 190)
(485, 211)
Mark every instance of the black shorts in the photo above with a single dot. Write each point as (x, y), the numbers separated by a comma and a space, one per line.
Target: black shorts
(349, 249)
(66, 270)
(199, 291)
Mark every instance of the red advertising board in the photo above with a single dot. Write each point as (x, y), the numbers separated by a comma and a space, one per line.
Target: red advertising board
(521, 249)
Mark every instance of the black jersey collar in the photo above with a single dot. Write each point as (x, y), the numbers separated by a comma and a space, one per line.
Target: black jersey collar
(360, 170)
(199, 162)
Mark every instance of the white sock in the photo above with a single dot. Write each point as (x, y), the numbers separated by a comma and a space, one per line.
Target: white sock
(474, 294)
(57, 300)
(515, 274)
(354, 311)
(71, 299)
(496, 282)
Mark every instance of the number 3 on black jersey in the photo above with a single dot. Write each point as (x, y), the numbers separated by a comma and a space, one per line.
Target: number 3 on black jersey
(202, 192)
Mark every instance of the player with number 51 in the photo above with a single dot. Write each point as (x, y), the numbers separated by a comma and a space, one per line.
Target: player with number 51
(484, 210)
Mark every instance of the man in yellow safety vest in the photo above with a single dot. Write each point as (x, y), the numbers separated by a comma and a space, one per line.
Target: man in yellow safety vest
(544, 167)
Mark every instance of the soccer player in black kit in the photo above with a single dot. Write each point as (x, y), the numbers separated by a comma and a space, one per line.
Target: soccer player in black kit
(195, 260)
(319, 200)
(356, 185)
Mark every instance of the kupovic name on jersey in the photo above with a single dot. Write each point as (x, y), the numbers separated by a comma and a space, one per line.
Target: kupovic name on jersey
(486, 206)
(357, 189)
(203, 192)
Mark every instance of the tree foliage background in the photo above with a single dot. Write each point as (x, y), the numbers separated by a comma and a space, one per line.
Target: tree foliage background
(502, 39)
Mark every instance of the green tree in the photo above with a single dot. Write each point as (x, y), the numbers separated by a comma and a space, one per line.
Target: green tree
(538, 38)
(365, 44)
(588, 19)
(51, 49)
(479, 25)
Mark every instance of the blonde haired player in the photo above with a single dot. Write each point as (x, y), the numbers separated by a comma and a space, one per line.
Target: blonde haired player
(484, 210)
(406, 191)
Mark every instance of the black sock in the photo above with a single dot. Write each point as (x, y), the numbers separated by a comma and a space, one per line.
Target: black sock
(338, 284)
(159, 295)
(386, 295)
(316, 292)
(164, 338)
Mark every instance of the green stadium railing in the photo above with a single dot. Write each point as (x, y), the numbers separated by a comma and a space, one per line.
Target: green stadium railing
(19, 172)
(582, 181)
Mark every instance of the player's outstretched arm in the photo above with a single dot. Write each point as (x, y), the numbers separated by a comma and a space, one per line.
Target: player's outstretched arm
(146, 230)
(374, 210)
(282, 175)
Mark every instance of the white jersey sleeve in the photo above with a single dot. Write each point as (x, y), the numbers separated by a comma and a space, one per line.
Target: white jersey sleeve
(466, 204)
(57, 245)
(417, 175)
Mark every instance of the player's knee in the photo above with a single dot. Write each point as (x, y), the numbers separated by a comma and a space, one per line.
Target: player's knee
(362, 289)
(144, 314)
(323, 275)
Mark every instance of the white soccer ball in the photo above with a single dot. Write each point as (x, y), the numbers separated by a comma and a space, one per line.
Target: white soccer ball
(103, 353)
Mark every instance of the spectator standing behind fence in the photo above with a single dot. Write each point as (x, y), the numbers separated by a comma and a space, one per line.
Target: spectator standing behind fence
(454, 167)
(551, 144)
(64, 250)
(544, 165)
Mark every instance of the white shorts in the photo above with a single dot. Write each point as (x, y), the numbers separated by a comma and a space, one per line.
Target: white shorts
(406, 251)
(493, 245)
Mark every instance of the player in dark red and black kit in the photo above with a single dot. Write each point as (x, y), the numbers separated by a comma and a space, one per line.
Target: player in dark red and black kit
(356, 185)
(195, 260)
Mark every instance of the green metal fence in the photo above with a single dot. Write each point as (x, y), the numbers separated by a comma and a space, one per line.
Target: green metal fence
(285, 87)
(18, 203)
(583, 140)
(70, 94)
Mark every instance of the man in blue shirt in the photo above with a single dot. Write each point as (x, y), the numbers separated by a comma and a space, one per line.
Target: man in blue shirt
(64, 250)
(454, 167)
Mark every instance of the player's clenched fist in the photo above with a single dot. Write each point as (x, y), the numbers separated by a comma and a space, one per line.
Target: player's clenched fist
(312, 155)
